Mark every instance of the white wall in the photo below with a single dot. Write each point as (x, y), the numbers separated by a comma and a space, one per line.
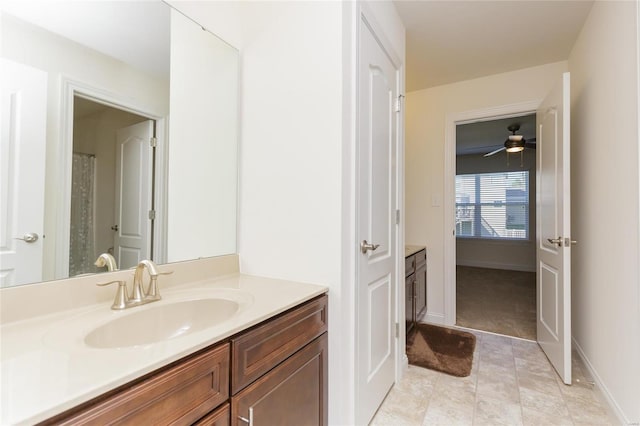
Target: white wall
(500, 254)
(58, 56)
(605, 197)
(425, 157)
(290, 221)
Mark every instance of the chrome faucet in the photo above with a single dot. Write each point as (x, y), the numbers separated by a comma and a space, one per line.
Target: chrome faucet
(106, 259)
(138, 295)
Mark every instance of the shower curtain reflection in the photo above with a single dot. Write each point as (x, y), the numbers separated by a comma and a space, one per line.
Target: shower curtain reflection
(81, 251)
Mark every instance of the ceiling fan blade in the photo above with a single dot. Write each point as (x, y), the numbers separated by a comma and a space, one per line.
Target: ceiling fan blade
(495, 152)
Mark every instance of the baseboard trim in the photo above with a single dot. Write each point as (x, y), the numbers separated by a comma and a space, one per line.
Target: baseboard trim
(496, 265)
(601, 389)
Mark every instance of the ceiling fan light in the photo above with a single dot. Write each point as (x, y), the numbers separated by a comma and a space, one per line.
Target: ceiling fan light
(514, 145)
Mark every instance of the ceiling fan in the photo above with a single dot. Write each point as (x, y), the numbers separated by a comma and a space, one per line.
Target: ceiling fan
(514, 143)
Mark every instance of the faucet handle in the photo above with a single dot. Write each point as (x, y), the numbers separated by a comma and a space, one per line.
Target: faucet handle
(152, 291)
(111, 282)
(122, 298)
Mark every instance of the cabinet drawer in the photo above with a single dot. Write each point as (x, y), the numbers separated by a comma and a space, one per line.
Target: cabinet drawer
(409, 265)
(178, 395)
(292, 394)
(220, 417)
(421, 258)
(259, 350)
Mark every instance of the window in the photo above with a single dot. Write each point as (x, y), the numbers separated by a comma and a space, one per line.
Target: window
(493, 205)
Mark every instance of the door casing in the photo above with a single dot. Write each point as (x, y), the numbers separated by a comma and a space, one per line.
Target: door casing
(449, 199)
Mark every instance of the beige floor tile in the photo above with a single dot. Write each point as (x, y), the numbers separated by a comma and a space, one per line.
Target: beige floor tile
(588, 414)
(539, 408)
(456, 387)
(401, 408)
(445, 411)
(494, 412)
(418, 382)
(511, 383)
(497, 357)
(498, 387)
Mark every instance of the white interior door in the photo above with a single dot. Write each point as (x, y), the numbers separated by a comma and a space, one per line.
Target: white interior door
(22, 163)
(376, 283)
(554, 229)
(133, 194)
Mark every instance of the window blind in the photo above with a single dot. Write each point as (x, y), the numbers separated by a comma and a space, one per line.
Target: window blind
(493, 205)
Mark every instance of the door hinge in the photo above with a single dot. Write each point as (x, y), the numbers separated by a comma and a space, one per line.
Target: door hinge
(153, 142)
(397, 329)
(397, 217)
(398, 107)
(152, 214)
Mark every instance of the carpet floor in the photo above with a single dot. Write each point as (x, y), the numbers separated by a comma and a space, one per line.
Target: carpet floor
(442, 349)
(498, 301)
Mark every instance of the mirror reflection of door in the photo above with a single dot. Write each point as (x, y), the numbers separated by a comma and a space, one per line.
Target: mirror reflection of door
(112, 186)
(23, 118)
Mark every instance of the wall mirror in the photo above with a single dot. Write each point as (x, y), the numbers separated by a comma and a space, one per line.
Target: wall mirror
(119, 135)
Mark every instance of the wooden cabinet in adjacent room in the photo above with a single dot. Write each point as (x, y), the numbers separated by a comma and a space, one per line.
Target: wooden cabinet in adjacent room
(415, 286)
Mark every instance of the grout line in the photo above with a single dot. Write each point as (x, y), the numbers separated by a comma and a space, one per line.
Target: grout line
(477, 378)
(515, 369)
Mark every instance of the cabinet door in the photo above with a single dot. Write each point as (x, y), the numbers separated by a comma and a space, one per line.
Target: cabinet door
(409, 310)
(421, 290)
(294, 393)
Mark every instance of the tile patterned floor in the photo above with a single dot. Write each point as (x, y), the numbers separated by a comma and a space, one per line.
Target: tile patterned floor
(495, 300)
(511, 383)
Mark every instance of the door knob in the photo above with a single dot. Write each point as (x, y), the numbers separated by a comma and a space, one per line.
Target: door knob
(365, 246)
(556, 241)
(30, 237)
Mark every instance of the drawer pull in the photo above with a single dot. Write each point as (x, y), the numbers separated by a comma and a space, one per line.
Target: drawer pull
(249, 421)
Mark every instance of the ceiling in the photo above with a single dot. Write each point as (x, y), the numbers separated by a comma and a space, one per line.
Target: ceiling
(485, 136)
(449, 41)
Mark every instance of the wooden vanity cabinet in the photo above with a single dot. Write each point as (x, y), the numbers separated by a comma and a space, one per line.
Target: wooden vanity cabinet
(415, 288)
(279, 370)
(179, 394)
(273, 373)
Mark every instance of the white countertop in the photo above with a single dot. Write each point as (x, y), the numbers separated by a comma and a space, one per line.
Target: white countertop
(46, 368)
(410, 250)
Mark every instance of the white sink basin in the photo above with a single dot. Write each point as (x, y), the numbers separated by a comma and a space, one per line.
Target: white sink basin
(161, 322)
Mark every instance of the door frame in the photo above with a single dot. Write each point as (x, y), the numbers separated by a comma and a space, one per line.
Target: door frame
(364, 16)
(449, 199)
(69, 89)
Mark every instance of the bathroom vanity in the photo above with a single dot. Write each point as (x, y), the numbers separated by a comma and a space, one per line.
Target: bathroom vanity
(263, 362)
(415, 266)
(273, 372)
